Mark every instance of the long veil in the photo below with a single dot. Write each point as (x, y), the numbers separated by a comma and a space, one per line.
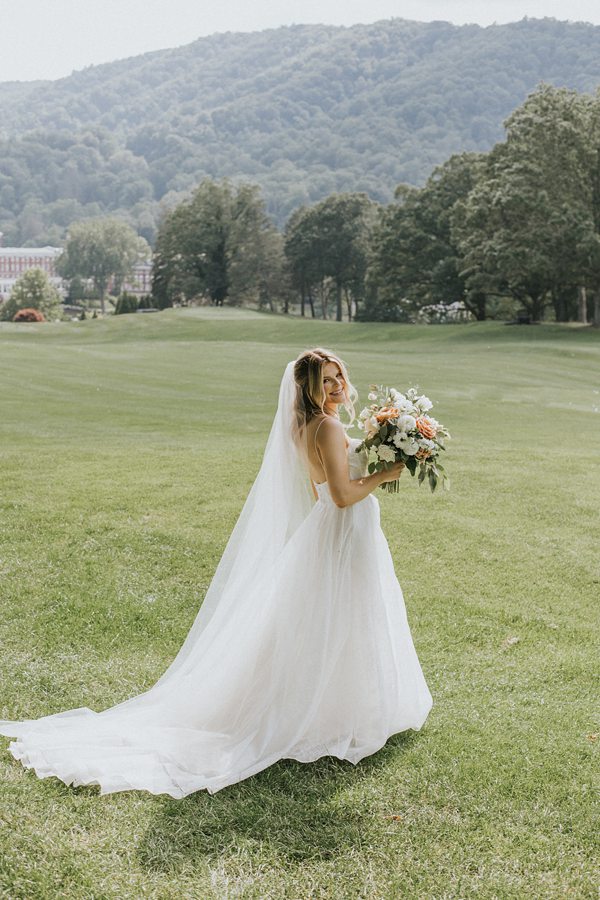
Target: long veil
(279, 500)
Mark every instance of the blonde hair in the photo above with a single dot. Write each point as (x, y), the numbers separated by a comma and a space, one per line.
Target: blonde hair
(310, 394)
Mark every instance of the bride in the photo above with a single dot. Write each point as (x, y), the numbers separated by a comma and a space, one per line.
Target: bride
(301, 647)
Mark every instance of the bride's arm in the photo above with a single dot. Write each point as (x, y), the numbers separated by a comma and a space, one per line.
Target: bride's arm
(345, 491)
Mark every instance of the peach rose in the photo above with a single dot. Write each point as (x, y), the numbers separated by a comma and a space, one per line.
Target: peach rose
(388, 412)
(423, 453)
(426, 428)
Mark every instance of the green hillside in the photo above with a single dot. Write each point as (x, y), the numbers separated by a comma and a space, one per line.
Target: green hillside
(302, 110)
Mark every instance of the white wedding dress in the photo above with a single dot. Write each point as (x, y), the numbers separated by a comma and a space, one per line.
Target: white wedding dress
(311, 656)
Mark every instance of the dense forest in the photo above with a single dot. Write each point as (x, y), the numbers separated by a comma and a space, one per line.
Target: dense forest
(302, 111)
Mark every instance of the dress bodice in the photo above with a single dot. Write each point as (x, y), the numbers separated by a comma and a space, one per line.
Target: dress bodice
(357, 467)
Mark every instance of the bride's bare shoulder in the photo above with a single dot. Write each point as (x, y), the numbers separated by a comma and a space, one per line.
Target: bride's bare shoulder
(325, 428)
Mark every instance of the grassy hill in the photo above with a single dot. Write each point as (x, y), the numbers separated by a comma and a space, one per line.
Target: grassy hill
(303, 111)
(128, 449)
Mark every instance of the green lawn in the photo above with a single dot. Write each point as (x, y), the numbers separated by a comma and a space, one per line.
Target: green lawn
(128, 446)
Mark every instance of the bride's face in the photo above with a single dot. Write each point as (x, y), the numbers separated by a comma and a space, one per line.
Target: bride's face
(333, 385)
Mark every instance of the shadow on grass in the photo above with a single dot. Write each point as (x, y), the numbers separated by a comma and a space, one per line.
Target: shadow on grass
(294, 811)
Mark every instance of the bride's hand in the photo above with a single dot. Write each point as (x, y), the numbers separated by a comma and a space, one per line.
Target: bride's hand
(393, 473)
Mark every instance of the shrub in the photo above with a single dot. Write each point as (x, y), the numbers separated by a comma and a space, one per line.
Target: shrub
(29, 315)
(127, 303)
(147, 302)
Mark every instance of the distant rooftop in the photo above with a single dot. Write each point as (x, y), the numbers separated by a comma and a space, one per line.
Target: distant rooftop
(30, 251)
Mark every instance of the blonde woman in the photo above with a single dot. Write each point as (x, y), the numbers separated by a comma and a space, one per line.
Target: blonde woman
(301, 647)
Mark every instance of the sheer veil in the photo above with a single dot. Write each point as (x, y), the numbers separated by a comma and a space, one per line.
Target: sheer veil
(279, 500)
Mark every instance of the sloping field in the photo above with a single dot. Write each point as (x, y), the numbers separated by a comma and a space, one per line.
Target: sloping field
(128, 446)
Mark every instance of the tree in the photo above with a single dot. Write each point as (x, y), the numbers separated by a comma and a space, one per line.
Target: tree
(302, 252)
(254, 251)
(590, 249)
(101, 249)
(33, 289)
(274, 284)
(219, 244)
(344, 222)
(415, 260)
(527, 226)
(330, 241)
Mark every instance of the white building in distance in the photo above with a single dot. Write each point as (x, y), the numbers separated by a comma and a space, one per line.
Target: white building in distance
(14, 261)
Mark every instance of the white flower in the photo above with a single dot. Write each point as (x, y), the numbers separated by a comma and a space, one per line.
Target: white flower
(372, 396)
(411, 449)
(396, 396)
(423, 403)
(407, 444)
(364, 413)
(405, 406)
(399, 401)
(385, 453)
(399, 438)
(426, 444)
(407, 423)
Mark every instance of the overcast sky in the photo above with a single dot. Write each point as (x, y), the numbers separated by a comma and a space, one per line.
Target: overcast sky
(51, 38)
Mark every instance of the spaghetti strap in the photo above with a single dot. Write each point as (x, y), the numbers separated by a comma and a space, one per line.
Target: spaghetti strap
(319, 457)
(315, 435)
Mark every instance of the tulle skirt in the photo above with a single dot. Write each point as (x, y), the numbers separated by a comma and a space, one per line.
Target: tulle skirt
(314, 658)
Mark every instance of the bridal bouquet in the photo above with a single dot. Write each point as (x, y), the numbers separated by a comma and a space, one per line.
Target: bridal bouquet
(398, 428)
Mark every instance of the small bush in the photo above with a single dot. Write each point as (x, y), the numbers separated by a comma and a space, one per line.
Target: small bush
(29, 315)
(147, 302)
(127, 303)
